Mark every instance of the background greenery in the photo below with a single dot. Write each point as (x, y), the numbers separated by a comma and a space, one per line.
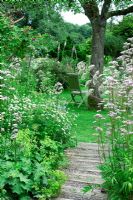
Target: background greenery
(36, 123)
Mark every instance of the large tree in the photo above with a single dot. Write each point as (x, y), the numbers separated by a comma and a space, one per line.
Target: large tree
(98, 12)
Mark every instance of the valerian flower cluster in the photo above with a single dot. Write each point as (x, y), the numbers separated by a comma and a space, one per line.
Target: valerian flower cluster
(83, 70)
(117, 133)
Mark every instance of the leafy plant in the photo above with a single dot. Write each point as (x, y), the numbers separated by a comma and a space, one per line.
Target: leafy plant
(116, 145)
(34, 126)
(26, 174)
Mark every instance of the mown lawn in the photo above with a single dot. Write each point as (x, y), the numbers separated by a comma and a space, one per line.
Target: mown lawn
(84, 128)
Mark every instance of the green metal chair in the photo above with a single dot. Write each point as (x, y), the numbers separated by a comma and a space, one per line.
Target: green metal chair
(72, 80)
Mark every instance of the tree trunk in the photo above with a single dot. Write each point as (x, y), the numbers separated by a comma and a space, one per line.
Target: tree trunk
(98, 36)
(97, 59)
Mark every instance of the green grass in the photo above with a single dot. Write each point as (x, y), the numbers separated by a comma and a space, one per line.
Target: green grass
(84, 128)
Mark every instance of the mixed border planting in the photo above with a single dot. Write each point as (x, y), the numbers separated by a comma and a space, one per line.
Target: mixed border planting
(34, 127)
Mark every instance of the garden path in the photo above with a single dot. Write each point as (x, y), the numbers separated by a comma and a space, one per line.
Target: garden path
(82, 172)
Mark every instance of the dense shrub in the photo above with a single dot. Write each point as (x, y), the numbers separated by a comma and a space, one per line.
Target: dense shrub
(124, 28)
(34, 126)
(29, 167)
(44, 71)
(113, 45)
(84, 49)
(33, 137)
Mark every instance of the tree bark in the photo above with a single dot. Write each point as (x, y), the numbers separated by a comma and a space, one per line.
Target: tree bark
(97, 59)
(98, 36)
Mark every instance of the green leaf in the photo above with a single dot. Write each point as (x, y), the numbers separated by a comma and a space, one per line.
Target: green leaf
(25, 198)
(23, 178)
(17, 188)
(2, 181)
(87, 188)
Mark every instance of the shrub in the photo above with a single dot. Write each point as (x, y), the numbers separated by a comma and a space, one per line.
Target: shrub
(29, 169)
(113, 45)
(117, 153)
(31, 147)
(50, 119)
(84, 49)
(44, 72)
(124, 28)
(34, 127)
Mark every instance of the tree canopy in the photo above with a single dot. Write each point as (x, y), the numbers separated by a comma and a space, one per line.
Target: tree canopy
(98, 12)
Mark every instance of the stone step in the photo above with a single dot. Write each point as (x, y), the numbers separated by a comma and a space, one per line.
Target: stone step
(87, 144)
(82, 171)
(90, 146)
(83, 182)
(80, 165)
(77, 193)
(88, 178)
(84, 145)
(85, 158)
(74, 193)
(63, 199)
(85, 162)
(78, 184)
(82, 153)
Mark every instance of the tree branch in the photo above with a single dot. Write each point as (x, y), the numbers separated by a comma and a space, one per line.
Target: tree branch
(105, 8)
(18, 20)
(120, 12)
(91, 9)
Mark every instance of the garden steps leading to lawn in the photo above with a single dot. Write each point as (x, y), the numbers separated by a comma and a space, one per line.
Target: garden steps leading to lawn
(82, 171)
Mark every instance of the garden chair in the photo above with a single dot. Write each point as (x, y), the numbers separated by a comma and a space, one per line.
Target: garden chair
(72, 80)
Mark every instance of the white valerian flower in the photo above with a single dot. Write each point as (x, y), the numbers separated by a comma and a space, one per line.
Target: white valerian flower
(90, 91)
(91, 67)
(112, 114)
(88, 83)
(81, 66)
(101, 89)
(58, 88)
(2, 129)
(14, 136)
(128, 122)
(99, 129)
(114, 63)
(96, 78)
(99, 116)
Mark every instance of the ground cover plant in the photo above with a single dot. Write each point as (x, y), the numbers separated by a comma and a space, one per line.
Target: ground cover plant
(34, 127)
(117, 148)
